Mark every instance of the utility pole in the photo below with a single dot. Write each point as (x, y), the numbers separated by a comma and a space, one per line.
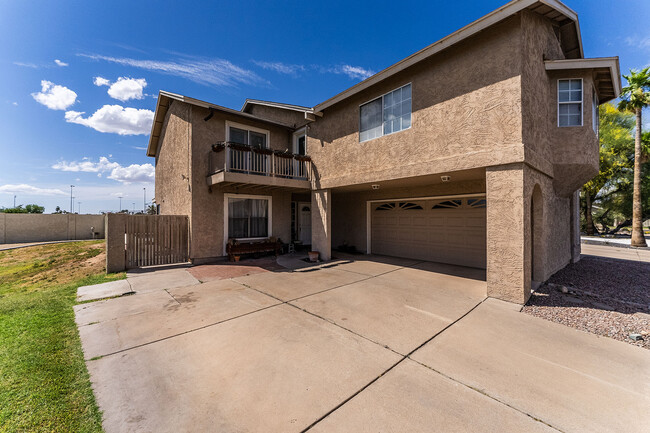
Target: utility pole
(120, 209)
(71, 202)
(144, 200)
(14, 200)
(134, 207)
(79, 206)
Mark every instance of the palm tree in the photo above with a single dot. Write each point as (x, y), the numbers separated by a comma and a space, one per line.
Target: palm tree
(634, 97)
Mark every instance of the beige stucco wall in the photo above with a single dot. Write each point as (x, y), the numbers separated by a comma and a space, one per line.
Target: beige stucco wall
(509, 235)
(568, 154)
(295, 119)
(466, 113)
(16, 228)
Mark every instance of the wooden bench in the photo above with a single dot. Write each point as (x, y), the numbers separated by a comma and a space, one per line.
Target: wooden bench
(238, 248)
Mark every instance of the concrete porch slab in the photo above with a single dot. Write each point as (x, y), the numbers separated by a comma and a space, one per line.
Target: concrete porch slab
(414, 398)
(400, 309)
(277, 370)
(186, 309)
(103, 290)
(160, 280)
(571, 380)
(292, 285)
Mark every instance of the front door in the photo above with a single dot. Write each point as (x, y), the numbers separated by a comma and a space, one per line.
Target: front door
(304, 223)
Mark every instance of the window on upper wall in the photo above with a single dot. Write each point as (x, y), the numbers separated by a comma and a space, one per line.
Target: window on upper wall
(385, 115)
(569, 99)
(595, 120)
(247, 135)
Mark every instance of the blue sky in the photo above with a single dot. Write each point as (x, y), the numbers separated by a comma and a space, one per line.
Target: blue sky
(60, 124)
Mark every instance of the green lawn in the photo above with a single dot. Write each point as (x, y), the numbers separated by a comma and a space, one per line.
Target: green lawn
(44, 384)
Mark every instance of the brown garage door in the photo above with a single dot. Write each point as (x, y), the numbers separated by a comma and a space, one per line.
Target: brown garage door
(447, 231)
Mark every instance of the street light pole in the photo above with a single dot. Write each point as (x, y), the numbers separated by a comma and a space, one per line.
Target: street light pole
(79, 205)
(144, 200)
(120, 209)
(71, 203)
(14, 200)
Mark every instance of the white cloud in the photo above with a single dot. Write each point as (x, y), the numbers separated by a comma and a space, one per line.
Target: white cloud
(356, 72)
(86, 165)
(60, 63)
(127, 88)
(15, 104)
(133, 173)
(29, 190)
(55, 97)
(115, 119)
(280, 67)
(124, 174)
(218, 72)
(139, 147)
(100, 81)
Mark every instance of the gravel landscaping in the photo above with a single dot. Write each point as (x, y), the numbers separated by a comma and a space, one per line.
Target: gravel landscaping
(603, 296)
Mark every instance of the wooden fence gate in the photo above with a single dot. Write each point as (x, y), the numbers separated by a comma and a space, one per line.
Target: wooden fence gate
(156, 240)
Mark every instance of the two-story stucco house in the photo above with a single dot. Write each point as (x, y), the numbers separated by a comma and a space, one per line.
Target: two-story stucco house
(470, 152)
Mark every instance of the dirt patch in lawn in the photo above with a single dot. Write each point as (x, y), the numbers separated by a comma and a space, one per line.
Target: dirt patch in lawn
(603, 296)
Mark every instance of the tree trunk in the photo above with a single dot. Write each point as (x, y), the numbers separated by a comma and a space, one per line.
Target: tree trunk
(591, 229)
(638, 240)
(588, 216)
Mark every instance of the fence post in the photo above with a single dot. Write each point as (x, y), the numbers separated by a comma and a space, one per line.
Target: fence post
(114, 231)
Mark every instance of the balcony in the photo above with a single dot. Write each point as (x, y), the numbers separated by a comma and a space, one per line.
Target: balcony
(234, 163)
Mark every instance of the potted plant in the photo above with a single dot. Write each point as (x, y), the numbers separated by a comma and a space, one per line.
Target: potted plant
(313, 256)
(283, 154)
(218, 147)
(239, 146)
(263, 150)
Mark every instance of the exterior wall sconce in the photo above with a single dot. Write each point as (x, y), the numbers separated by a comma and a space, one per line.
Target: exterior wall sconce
(445, 178)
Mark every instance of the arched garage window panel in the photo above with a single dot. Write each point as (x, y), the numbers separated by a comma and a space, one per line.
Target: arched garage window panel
(386, 206)
(410, 206)
(306, 209)
(476, 202)
(448, 204)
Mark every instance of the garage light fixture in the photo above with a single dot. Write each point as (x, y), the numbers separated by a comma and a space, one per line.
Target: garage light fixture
(445, 178)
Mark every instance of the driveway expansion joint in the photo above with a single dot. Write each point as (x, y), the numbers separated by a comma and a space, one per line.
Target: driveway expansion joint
(404, 357)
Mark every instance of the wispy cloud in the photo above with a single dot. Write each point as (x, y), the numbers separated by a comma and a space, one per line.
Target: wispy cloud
(115, 119)
(30, 190)
(101, 81)
(125, 174)
(217, 72)
(60, 63)
(280, 67)
(26, 65)
(356, 72)
(642, 43)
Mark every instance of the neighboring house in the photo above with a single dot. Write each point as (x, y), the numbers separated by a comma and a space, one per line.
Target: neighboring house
(470, 152)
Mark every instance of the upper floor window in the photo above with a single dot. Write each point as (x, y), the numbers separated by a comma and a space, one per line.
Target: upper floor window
(385, 115)
(300, 142)
(248, 135)
(569, 99)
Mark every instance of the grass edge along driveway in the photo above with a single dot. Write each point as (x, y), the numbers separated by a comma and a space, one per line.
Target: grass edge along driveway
(44, 383)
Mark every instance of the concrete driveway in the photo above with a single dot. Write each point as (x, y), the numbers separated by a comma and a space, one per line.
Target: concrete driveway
(366, 345)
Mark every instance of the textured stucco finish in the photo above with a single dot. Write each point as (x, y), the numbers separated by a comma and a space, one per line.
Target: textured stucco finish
(18, 228)
(470, 120)
(321, 223)
(485, 106)
(182, 165)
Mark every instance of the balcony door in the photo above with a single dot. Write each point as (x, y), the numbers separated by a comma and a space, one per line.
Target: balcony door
(246, 161)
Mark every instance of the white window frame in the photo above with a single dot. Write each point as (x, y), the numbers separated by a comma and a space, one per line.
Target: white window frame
(582, 103)
(382, 114)
(226, 199)
(302, 132)
(248, 128)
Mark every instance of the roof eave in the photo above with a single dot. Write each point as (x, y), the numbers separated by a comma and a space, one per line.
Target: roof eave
(611, 63)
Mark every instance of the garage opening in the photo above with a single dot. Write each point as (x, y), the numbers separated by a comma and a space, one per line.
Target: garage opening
(446, 230)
